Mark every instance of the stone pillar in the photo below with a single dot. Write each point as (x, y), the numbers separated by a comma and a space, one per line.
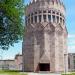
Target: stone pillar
(65, 63)
(56, 53)
(33, 19)
(55, 18)
(47, 17)
(51, 17)
(42, 17)
(37, 18)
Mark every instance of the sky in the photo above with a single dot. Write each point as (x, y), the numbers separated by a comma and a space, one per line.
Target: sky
(70, 24)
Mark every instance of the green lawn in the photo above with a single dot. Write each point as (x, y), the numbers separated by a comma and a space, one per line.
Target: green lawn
(72, 73)
(9, 72)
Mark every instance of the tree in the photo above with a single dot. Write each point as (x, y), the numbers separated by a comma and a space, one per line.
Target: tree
(11, 22)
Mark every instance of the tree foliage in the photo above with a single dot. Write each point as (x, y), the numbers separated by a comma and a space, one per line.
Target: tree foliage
(11, 22)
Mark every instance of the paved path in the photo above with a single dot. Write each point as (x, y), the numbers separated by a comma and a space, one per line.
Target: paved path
(43, 74)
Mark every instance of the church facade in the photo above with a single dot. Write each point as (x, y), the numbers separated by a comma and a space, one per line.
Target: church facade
(45, 37)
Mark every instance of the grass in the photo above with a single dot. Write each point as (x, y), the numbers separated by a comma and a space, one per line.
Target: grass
(71, 73)
(14, 72)
(10, 72)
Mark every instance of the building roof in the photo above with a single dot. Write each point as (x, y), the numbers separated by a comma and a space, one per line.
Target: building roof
(71, 53)
(7, 60)
(18, 55)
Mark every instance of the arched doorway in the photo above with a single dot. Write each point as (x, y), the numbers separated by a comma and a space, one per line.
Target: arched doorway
(44, 66)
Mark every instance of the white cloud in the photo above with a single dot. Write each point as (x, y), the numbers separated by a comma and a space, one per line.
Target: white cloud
(71, 49)
(71, 36)
(71, 43)
(71, 39)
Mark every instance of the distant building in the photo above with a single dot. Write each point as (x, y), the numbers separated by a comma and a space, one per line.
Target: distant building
(71, 61)
(7, 64)
(15, 64)
(18, 62)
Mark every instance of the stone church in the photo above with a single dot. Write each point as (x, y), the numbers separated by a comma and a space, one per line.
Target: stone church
(45, 37)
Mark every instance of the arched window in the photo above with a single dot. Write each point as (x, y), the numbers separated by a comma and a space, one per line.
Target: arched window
(49, 11)
(63, 21)
(60, 14)
(32, 19)
(39, 18)
(44, 18)
(57, 19)
(53, 12)
(49, 18)
(44, 11)
(60, 20)
(35, 19)
(35, 12)
(53, 16)
(57, 13)
(31, 14)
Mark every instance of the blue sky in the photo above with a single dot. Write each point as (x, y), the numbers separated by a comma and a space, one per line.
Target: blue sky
(70, 23)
